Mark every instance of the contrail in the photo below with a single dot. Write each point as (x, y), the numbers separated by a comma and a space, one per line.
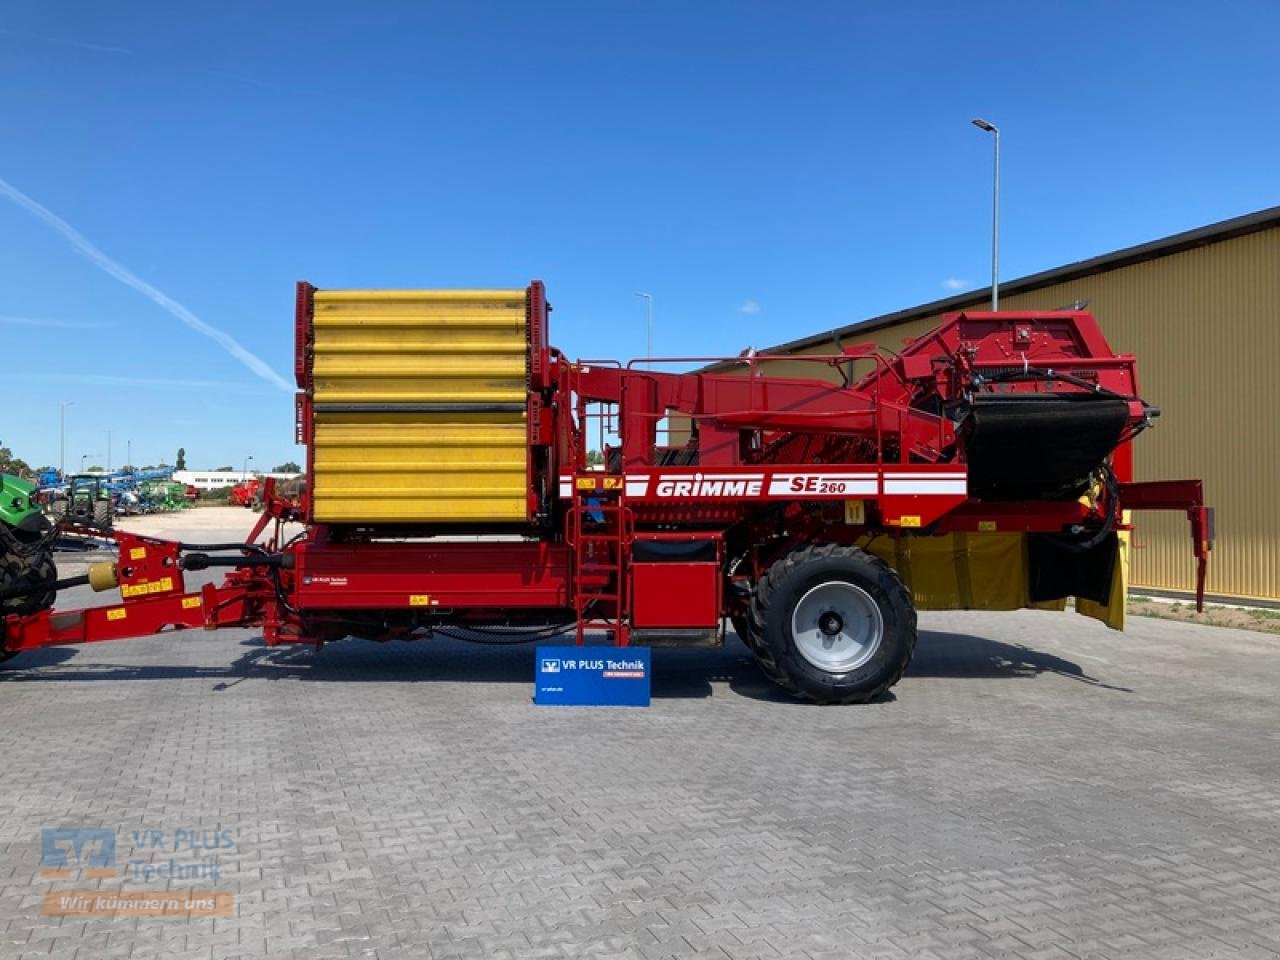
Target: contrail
(104, 263)
(79, 44)
(110, 380)
(57, 324)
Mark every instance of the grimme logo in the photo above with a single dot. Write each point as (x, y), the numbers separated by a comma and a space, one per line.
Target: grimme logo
(90, 850)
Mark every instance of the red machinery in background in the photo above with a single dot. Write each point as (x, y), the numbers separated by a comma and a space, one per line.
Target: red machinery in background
(244, 494)
(451, 489)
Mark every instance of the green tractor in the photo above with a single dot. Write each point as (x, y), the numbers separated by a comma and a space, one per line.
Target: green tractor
(87, 502)
(27, 571)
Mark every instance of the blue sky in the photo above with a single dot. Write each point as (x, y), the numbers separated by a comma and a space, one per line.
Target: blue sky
(766, 170)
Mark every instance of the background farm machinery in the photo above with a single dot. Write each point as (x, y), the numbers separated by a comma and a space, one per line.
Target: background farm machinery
(93, 499)
(987, 465)
(27, 569)
(247, 494)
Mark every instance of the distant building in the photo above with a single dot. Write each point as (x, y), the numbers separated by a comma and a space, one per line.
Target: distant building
(217, 479)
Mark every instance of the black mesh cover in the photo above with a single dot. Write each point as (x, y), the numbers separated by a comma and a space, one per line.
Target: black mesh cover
(1038, 446)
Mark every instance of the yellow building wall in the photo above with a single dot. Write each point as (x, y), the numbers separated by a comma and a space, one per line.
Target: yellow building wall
(1205, 327)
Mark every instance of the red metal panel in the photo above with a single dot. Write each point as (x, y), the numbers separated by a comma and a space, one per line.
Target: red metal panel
(302, 334)
(537, 426)
(431, 576)
(301, 418)
(307, 412)
(539, 351)
(675, 595)
(147, 566)
(1122, 462)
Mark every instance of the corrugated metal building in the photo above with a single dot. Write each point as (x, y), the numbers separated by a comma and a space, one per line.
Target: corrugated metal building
(1201, 310)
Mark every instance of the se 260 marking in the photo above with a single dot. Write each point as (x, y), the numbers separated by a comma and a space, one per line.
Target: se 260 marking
(814, 485)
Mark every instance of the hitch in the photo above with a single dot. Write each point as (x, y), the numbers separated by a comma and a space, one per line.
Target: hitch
(148, 572)
(1185, 495)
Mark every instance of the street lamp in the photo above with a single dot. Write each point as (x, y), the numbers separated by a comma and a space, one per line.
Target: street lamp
(995, 212)
(648, 298)
(244, 474)
(62, 436)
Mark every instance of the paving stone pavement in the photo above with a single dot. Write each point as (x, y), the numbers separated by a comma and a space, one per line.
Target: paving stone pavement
(1037, 787)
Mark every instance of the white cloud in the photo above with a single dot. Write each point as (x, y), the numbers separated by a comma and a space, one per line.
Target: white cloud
(749, 307)
(955, 283)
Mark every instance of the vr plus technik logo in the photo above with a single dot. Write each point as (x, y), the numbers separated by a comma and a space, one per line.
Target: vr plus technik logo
(159, 856)
(89, 850)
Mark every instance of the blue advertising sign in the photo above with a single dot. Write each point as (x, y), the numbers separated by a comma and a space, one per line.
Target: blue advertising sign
(592, 677)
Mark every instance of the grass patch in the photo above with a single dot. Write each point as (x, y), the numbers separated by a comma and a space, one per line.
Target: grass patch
(1260, 619)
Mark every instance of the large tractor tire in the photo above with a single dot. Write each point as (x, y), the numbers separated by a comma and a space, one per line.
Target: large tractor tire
(102, 514)
(749, 634)
(26, 561)
(38, 573)
(837, 625)
(744, 626)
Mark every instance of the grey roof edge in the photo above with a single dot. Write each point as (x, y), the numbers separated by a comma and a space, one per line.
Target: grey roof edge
(1127, 256)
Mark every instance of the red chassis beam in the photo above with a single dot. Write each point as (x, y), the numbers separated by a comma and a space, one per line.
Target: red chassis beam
(213, 607)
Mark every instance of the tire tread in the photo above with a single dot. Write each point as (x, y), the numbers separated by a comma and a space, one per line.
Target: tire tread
(785, 567)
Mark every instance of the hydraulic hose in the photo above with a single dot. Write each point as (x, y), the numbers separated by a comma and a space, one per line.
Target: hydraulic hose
(499, 638)
(1112, 487)
(202, 561)
(215, 547)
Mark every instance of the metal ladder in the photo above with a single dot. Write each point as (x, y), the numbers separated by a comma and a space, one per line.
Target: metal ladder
(599, 553)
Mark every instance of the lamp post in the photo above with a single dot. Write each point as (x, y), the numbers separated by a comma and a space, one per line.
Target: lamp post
(62, 436)
(244, 474)
(995, 212)
(648, 298)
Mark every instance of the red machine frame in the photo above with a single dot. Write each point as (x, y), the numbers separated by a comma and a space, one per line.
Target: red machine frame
(807, 457)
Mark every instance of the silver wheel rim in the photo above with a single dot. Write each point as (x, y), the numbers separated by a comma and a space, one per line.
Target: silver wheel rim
(837, 626)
